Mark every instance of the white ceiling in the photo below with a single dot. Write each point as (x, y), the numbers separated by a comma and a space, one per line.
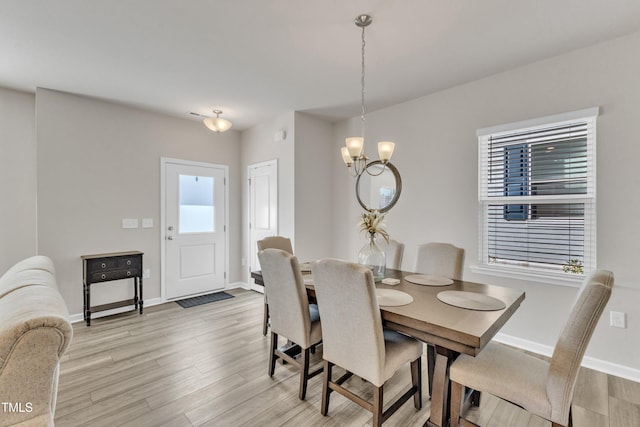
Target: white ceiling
(255, 59)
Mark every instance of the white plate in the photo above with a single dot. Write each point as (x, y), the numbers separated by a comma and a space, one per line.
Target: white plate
(428, 280)
(471, 300)
(392, 298)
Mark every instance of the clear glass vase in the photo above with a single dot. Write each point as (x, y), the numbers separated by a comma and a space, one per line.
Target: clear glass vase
(372, 256)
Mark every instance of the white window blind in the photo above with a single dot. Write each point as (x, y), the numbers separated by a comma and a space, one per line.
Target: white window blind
(537, 194)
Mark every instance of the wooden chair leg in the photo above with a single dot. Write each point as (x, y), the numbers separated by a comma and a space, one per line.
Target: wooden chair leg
(457, 401)
(378, 395)
(416, 380)
(326, 377)
(265, 320)
(431, 365)
(272, 353)
(304, 373)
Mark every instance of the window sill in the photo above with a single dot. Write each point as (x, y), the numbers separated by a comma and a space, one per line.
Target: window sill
(553, 278)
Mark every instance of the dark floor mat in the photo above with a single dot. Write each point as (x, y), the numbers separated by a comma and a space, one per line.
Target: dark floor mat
(203, 299)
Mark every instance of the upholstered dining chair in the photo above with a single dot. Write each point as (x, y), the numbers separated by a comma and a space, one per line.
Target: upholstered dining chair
(438, 259)
(291, 314)
(394, 251)
(273, 242)
(542, 388)
(354, 339)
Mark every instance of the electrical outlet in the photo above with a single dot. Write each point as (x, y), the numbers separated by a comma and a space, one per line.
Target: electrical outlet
(146, 273)
(129, 222)
(618, 319)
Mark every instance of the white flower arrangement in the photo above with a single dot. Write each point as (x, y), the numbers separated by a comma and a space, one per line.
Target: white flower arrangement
(372, 222)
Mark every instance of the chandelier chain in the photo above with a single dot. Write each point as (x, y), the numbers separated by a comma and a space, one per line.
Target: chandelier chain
(362, 83)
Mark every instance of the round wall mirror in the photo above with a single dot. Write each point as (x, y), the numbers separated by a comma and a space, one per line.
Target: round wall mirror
(378, 187)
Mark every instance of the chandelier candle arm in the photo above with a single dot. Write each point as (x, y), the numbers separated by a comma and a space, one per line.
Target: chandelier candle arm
(346, 157)
(355, 145)
(385, 150)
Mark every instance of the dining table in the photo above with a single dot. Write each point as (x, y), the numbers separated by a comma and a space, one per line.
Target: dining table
(449, 328)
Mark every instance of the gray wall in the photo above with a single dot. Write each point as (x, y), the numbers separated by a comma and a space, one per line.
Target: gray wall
(313, 183)
(99, 162)
(17, 177)
(437, 155)
(304, 181)
(258, 145)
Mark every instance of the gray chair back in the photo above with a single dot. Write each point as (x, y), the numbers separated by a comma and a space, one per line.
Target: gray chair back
(440, 259)
(394, 251)
(573, 341)
(352, 332)
(287, 295)
(275, 242)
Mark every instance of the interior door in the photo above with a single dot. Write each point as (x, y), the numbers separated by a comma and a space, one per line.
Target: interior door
(263, 206)
(195, 227)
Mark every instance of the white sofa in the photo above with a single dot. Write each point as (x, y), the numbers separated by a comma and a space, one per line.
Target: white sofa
(34, 334)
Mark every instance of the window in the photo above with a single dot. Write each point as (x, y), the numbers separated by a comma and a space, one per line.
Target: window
(196, 204)
(537, 196)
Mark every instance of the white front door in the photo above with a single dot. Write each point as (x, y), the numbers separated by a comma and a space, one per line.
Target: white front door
(263, 206)
(195, 228)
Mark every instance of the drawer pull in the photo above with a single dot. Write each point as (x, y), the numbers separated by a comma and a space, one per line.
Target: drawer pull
(128, 273)
(103, 265)
(128, 262)
(103, 276)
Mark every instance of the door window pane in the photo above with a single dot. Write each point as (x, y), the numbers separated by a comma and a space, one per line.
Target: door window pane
(197, 213)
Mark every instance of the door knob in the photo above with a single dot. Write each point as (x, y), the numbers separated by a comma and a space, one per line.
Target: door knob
(169, 237)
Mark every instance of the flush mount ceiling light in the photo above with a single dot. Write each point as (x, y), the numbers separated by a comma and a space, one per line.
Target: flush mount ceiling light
(217, 124)
(353, 153)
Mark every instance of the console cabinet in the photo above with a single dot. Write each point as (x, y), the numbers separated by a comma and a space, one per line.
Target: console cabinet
(99, 268)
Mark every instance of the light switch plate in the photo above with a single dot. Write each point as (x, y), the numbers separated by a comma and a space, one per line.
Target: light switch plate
(129, 222)
(147, 222)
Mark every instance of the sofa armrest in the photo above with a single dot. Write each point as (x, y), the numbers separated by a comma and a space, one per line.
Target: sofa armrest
(38, 262)
(20, 279)
(34, 334)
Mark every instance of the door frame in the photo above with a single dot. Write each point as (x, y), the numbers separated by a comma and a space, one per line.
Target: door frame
(272, 162)
(163, 218)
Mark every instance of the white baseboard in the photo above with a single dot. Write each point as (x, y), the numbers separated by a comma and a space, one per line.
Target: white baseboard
(79, 317)
(236, 285)
(588, 362)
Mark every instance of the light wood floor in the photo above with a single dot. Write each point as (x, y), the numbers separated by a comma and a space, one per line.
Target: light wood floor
(207, 366)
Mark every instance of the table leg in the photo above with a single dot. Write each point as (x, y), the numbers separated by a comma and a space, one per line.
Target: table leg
(87, 310)
(84, 301)
(135, 292)
(440, 396)
(141, 300)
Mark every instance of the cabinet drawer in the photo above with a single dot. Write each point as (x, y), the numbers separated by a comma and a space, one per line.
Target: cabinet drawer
(114, 275)
(129, 262)
(101, 264)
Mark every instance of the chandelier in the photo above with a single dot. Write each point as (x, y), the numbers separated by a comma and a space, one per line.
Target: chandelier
(353, 151)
